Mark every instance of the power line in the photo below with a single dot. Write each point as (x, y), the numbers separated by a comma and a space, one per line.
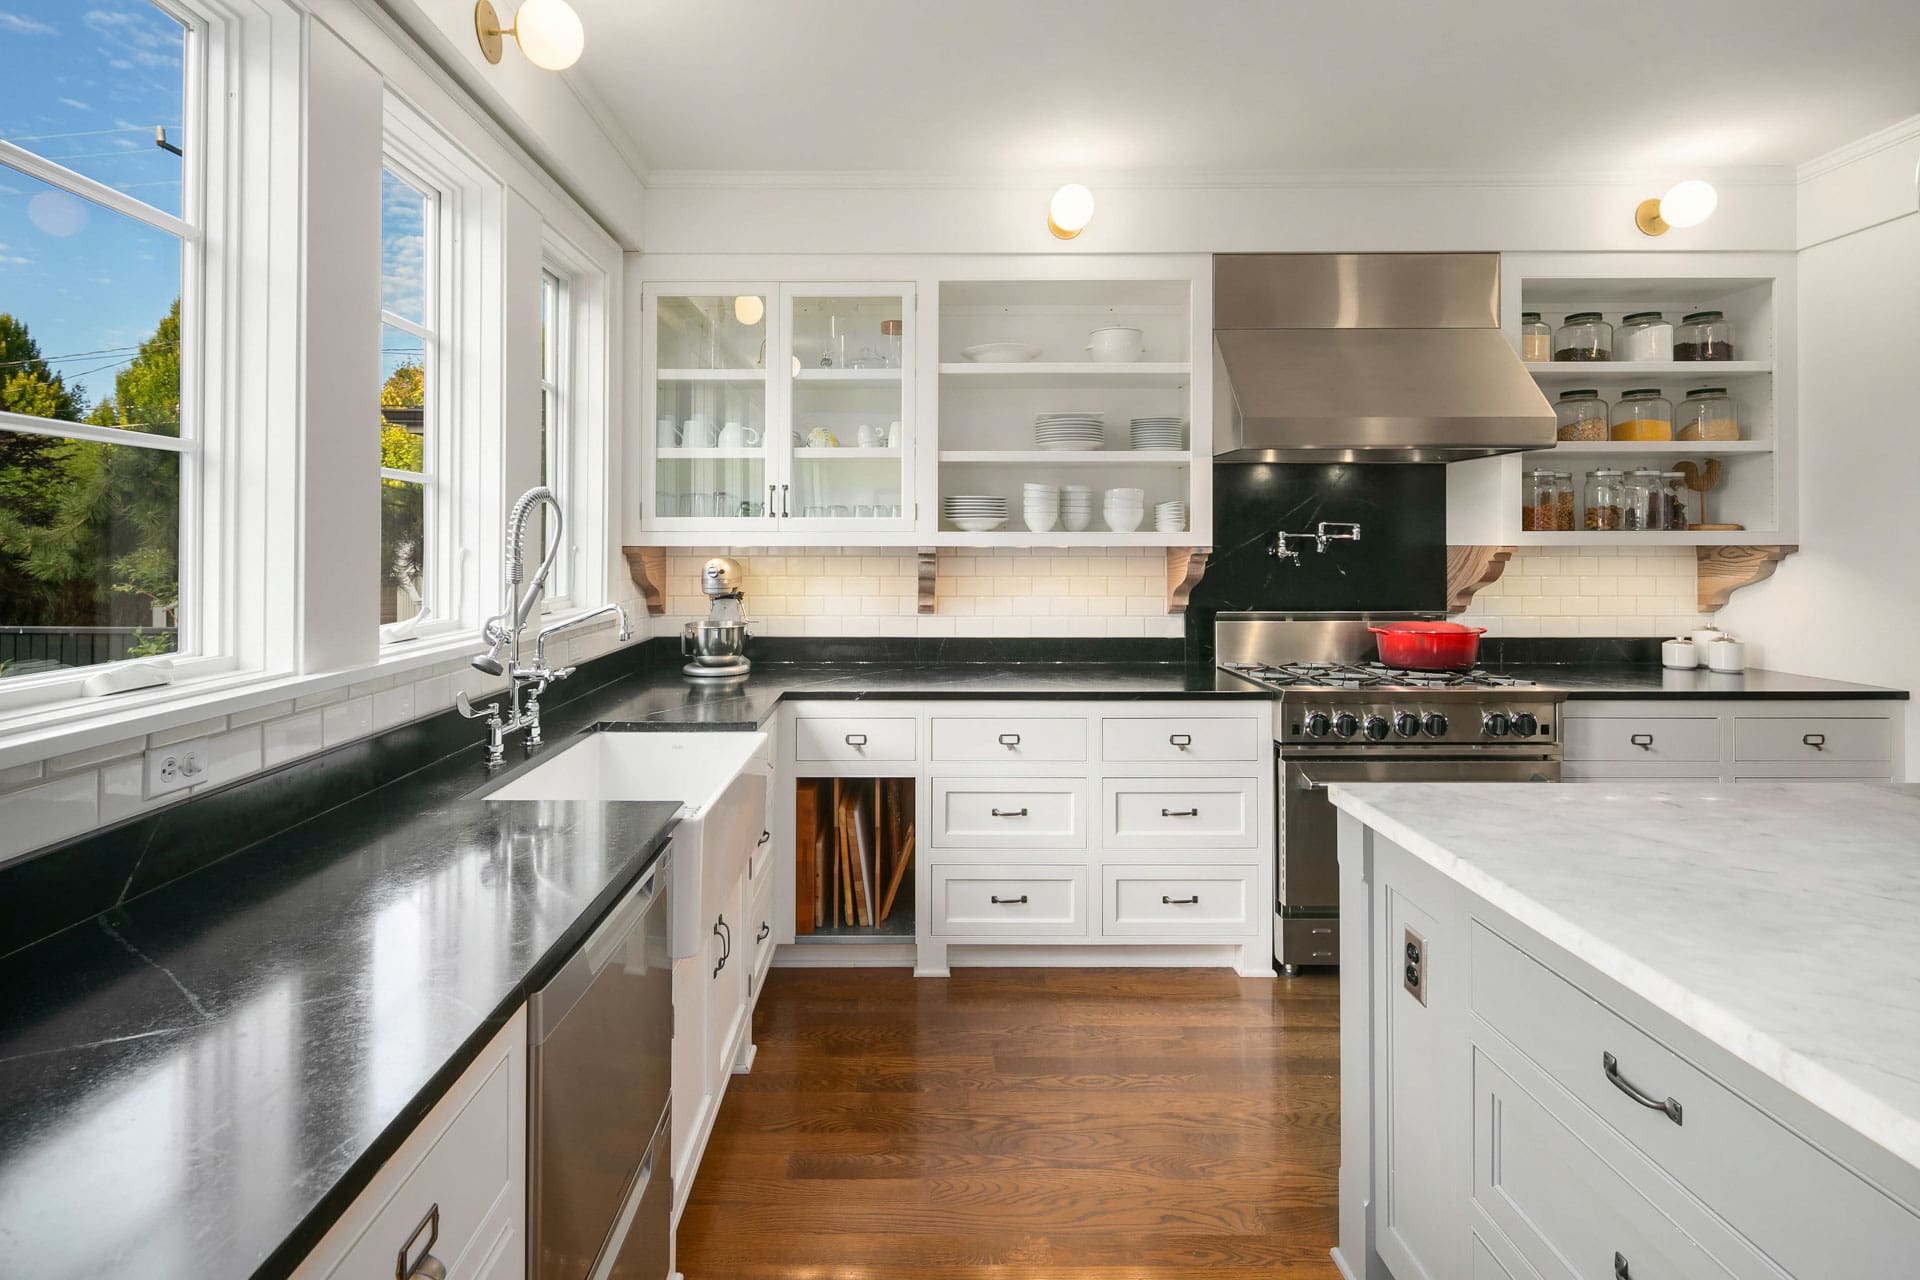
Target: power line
(84, 133)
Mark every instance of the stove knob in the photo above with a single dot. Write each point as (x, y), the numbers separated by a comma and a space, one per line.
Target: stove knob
(1376, 727)
(1318, 722)
(1406, 724)
(1495, 725)
(1525, 724)
(1435, 724)
(1346, 724)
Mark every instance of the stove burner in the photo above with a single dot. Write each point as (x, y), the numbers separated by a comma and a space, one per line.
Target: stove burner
(1369, 675)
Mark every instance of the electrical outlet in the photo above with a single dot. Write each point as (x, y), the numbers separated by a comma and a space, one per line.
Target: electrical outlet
(176, 767)
(1413, 959)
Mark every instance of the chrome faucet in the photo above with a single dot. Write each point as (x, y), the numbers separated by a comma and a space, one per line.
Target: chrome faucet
(501, 634)
(1324, 532)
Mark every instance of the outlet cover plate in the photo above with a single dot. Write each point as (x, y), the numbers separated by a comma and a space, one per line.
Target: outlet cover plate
(177, 766)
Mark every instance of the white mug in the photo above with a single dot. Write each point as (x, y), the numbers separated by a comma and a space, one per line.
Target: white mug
(669, 433)
(1116, 344)
(698, 433)
(893, 436)
(736, 436)
(869, 436)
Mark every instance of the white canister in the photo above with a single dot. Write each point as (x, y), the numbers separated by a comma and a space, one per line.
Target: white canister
(1678, 654)
(1701, 639)
(1116, 345)
(1727, 655)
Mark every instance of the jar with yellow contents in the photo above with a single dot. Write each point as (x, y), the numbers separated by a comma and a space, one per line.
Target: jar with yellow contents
(1643, 414)
(1707, 414)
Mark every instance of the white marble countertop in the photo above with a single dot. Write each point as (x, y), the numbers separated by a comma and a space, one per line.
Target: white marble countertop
(1782, 922)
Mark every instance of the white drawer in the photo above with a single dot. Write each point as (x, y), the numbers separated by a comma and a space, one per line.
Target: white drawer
(1009, 901)
(1815, 740)
(854, 738)
(1011, 739)
(468, 1157)
(1820, 1221)
(1181, 739)
(760, 939)
(1643, 739)
(995, 813)
(1181, 813)
(1172, 900)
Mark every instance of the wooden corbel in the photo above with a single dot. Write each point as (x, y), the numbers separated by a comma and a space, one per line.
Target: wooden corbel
(648, 568)
(1470, 569)
(1724, 570)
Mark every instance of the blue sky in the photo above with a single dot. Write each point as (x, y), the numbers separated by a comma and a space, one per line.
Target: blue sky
(85, 82)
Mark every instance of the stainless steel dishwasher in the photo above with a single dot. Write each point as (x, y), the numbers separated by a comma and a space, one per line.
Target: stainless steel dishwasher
(600, 1204)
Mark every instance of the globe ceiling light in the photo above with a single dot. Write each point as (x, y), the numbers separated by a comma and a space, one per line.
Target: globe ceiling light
(1070, 210)
(749, 309)
(549, 32)
(1686, 204)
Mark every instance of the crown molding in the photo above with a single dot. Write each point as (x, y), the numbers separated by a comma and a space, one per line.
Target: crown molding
(1893, 135)
(914, 179)
(608, 122)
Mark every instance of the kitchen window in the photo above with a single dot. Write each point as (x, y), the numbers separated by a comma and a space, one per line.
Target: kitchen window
(103, 264)
(411, 423)
(556, 409)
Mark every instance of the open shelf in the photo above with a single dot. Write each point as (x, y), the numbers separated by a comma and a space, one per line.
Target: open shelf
(1069, 457)
(1702, 372)
(1069, 374)
(1641, 448)
(1094, 537)
(1648, 538)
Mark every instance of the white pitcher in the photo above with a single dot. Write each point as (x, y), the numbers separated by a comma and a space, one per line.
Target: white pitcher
(736, 436)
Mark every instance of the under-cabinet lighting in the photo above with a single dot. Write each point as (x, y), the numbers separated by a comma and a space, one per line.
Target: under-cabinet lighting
(1686, 204)
(549, 32)
(1070, 210)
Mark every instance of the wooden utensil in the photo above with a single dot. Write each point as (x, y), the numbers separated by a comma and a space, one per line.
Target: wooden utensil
(1701, 477)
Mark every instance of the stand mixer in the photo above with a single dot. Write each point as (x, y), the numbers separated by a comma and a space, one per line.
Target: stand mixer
(718, 646)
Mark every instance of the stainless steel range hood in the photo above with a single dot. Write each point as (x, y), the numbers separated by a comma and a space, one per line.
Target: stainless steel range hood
(1369, 357)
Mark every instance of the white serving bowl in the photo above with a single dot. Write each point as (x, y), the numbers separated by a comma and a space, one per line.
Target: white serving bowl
(1117, 343)
(1001, 352)
(1041, 522)
(1076, 521)
(1124, 521)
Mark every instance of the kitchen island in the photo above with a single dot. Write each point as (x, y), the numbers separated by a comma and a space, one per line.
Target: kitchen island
(1629, 1030)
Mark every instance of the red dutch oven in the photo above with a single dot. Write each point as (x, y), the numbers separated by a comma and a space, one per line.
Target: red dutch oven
(1428, 646)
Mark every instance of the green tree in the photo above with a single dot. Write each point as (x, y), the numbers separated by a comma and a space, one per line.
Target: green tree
(402, 503)
(33, 475)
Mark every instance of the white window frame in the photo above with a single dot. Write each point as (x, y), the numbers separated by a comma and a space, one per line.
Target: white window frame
(556, 405)
(207, 624)
(434, 427)
(590, 481)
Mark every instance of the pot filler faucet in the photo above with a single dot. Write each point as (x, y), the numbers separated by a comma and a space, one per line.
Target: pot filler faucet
(1326, 531)
(501, 635)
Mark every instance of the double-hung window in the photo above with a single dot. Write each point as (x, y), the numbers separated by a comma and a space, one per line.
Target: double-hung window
(101, 288)
(411, 418)
(556, 415)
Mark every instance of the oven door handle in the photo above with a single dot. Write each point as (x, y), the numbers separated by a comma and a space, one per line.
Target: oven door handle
(1308, 784)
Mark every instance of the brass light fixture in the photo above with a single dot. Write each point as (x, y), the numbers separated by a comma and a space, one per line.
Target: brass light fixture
(548, 31)
(1686, 204)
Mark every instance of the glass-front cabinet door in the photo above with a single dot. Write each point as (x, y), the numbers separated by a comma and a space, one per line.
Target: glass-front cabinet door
(711, 465)
(849, 381)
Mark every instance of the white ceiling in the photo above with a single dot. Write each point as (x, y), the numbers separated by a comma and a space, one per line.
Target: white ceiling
(1247, 86)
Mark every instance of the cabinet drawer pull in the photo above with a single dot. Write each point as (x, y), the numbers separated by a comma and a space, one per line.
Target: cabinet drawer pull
(785, 512)
(1611, 1065)
(1009, 740)
(1644, 741)
(1009, 813)
(724, 932)
(856, 740)
(1179, 813)
(773, 508)
(426, 1266)
(765, 929)
(1181, 740)
(1818, 741)
(1620, 1271)
(999, 901)
(1194, 901)
(764, 837)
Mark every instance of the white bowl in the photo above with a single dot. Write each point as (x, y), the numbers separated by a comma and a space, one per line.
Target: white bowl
(1123, 521)
(1076, 521)
(1041, 522)
(979, 524)
(1001, 352)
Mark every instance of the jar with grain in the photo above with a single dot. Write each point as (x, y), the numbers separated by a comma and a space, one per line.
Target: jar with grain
(1643, 335)
(1583, 336)
(1707, 414)
(1536, 339)
(1563, 501)
(1643, 414)
(1581, 415)
(1604, 495)
(1674, 486)
(1703, 335)
(1539, 502)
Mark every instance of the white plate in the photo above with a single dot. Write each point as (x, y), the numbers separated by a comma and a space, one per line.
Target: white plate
(1001, 352)
(979, 524)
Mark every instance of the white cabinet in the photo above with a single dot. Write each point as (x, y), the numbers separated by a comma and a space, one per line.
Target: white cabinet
(1758, 740)
(456, 1187)
(1020, 901)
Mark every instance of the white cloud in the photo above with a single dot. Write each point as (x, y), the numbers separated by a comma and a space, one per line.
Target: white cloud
(75, 103)
(6, 261)
(22, 25)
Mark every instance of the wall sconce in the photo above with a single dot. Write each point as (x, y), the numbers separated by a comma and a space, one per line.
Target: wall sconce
(1686, 204)
(548, 31)
(1070, 210)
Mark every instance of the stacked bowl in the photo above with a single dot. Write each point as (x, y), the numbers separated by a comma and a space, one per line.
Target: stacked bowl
(1125, 509)
(1157, 433)
(1170, 517)
(974, 512)
(1076, 507)
(1074, 431)
(1042, 506)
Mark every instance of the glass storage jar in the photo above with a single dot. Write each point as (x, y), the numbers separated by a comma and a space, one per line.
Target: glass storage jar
(1581, 415)
(1643, 505)
(1703, 335)
(1643, 335)
(1604, 495)
(1707, 414)
(1536, 339)
(1563, 501)
(1540, 502)
(1583, 336)
(1643, 414)
(1674, 485)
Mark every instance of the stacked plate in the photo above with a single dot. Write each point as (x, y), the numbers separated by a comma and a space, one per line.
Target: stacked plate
(1125, 509)
(1157, 433)
(1042, 506)
(974, 512)
(1170, 517)
(1081, 431)
(1076, 507)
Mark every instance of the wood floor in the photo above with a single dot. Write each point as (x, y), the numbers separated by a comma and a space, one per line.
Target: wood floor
(1072, 1124)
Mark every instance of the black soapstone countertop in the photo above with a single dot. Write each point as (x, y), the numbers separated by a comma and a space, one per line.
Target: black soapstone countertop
(198, 1081)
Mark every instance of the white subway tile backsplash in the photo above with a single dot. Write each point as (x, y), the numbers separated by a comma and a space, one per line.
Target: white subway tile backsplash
(20, 774)
(51, 811)
(432, 695)
(345, 721)
(1646, 592)
(325, 698)
(291, 738)
(92, 756)
(187, 732)
(234, 755)
(123, 791)
(393, 706)
(260, 714)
